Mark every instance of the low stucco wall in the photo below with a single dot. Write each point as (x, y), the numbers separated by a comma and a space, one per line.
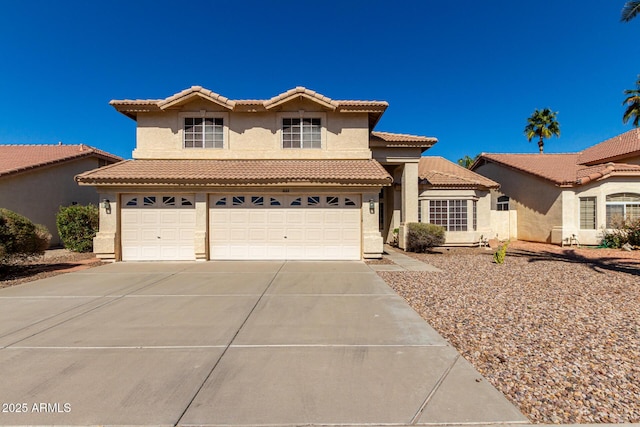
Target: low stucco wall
(38, 194)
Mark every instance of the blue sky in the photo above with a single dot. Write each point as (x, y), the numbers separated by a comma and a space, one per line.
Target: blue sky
(466, 72)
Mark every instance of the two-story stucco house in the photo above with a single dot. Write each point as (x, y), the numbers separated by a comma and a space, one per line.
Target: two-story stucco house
(567, 198)
(297, 176)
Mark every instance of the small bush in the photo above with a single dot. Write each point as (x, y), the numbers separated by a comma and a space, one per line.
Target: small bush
(21, 238)
(422, 237)
(77, 226)
(501, 253)
(622, 231)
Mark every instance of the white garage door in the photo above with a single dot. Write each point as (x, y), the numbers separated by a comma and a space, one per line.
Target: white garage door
(311, 227)
(158, 227)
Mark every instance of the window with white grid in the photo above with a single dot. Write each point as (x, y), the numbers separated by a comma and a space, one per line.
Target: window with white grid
(450, 214)
(207, 132)
(301, 133)
(587, 213)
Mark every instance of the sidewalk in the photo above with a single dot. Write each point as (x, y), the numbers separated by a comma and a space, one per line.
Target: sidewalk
(402, 262)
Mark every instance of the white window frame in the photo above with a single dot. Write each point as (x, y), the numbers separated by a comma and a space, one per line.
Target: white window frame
(453, 224)
(204, 115)
(625, 204)
(593, 212)
(303, 115)
(502, 204)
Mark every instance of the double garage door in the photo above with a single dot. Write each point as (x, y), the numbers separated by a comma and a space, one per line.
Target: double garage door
(244, 226)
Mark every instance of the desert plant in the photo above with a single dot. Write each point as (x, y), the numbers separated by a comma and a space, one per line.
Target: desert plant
(421, 237)
(501, 253)
(621, 231)
(77, 226)
(19, 237)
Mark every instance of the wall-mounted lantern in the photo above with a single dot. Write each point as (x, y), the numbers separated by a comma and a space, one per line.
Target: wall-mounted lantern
(106, 204)
(372, 206)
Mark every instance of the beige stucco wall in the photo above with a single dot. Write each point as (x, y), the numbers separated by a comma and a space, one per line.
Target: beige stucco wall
(252, 135)
(538, 202)
(483, 213)
(39, 193)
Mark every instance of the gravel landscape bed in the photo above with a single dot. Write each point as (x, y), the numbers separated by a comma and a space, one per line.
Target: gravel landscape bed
(557, 330)
(52, 263)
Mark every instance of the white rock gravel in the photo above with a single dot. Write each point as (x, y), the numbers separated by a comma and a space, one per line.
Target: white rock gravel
(557, 331)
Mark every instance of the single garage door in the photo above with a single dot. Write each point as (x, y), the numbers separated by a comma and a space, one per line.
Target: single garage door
(295, 227)
(158, 227)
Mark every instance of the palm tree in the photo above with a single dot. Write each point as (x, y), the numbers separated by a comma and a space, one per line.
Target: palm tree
(467, 162)
(633, 105)
(630, 10)
(542, 124)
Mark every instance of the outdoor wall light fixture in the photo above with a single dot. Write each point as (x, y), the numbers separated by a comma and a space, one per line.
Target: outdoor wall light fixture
(106, 204)
(372, 206)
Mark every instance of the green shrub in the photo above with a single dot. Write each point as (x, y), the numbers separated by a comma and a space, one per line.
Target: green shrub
(501, 253)
(77, 226)
(21, 238)
(422, 237)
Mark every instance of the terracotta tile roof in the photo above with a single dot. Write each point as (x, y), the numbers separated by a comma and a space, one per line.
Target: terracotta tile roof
(399, 139)
(440, 172)
(560, 169)
(239, 172)
(616, 148)
(20, 158)
(132, 106)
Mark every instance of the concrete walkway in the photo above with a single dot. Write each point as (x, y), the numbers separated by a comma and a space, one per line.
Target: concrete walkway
(402, 262)
(230, 343)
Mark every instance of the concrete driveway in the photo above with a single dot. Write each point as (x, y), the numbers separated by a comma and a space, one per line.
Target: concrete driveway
(230, 343)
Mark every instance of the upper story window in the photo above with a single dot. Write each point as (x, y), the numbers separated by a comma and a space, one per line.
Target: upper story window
(203, 132)
(302, 132)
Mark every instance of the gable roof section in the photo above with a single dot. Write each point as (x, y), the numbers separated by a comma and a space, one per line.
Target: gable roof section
(21, 158)
(440, 172)
(195, 92)
(616, 148)
(239, 172)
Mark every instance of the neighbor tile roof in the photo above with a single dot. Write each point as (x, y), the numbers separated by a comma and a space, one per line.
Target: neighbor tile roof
(20, 158)
(616, 148)
(440, 172)
(560, 169)
(239, 172)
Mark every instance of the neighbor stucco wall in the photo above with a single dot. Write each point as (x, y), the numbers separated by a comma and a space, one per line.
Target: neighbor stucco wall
(252, 135)
(538, 202)
(38, 194)
(599, 190)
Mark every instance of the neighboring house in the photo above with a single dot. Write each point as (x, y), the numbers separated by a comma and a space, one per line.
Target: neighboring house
(35, 180)
(297, 176)
(457, 199)
(561, 197)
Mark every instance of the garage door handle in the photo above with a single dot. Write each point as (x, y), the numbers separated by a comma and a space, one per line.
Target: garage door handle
(158, 237)
(285, 237)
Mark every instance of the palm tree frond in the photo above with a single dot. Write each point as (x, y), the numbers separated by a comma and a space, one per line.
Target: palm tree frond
(630, 10)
